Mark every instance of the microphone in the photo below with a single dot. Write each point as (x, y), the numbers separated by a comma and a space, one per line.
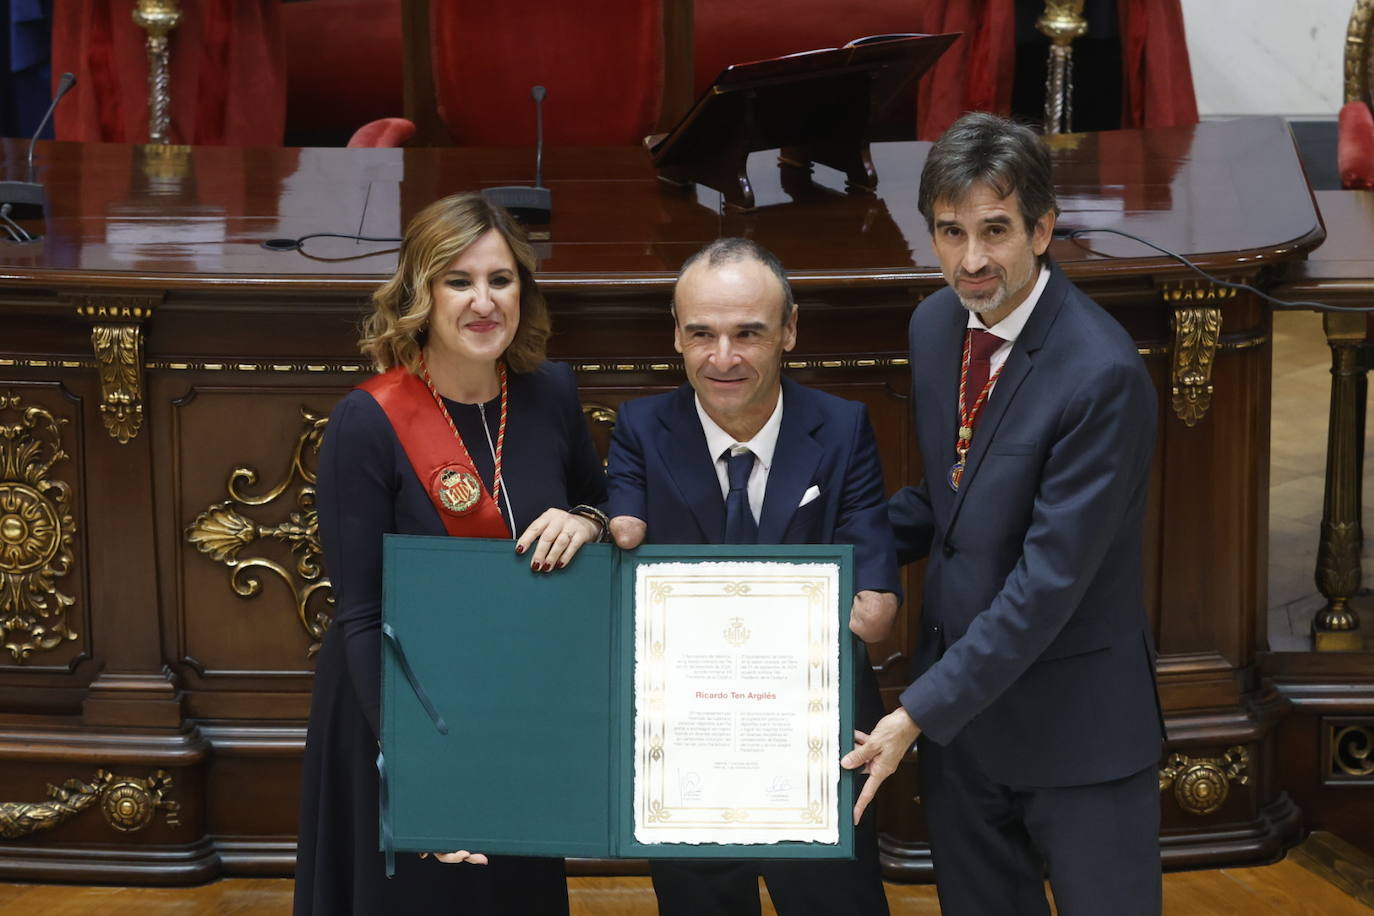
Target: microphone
(531, 206)
(26, 198)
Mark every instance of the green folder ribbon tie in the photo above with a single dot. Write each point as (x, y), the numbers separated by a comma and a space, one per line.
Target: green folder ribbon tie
(384, 796)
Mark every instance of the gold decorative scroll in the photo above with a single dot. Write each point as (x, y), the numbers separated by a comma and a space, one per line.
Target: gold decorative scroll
(1202, 784)
(117, 339)
(1061, 22)
(1359, 59)
(222, 532)
(157, 18)
(1197, 329)
(128, 804)
(1352, 751)
(36, 531)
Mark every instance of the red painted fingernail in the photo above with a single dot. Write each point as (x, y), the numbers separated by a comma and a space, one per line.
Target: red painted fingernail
(563, 564)
(545, 567)
(519, 548)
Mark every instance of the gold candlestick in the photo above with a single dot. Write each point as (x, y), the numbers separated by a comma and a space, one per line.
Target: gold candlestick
(157, 18)
(1062, 22)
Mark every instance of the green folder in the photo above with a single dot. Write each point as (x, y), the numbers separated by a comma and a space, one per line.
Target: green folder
(533, 679)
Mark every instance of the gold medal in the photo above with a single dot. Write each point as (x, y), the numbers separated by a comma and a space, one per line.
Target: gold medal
(458, 488)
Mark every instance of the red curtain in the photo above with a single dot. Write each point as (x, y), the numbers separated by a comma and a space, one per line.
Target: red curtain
(227, 79)
(975, 74)
(1158, 81)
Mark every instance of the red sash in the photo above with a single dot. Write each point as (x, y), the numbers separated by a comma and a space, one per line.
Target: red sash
(463, 503)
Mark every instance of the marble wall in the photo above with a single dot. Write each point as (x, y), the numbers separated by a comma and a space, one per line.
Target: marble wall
(1253, 57)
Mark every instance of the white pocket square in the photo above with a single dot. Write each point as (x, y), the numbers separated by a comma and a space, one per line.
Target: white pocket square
(811, 493)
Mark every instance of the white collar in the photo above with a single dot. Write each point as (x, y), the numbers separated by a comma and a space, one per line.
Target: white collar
(764, 443)
(1010, 327)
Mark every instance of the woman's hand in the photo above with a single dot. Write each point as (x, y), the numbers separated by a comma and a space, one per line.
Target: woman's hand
(556, 536)
(462, 855)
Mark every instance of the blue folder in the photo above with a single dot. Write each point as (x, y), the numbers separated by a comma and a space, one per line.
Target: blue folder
(532, 679)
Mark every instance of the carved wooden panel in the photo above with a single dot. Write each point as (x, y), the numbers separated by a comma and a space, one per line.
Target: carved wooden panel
(254, 597)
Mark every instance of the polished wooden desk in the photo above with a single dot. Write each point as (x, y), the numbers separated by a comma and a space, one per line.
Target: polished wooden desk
(165, 383)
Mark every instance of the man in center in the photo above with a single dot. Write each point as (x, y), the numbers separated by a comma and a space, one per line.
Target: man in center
(741, 455)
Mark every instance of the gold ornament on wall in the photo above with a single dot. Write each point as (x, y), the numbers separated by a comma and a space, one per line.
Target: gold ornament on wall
(119, 348)
(223, 531)
(36, 530)
(1202, 784)
(117, 340)
(1197, 330)
(128, 803)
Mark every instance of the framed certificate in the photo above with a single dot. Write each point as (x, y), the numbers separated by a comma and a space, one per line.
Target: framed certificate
(674, 701)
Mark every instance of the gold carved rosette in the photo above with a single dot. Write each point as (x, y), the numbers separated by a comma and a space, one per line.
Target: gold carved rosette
(36, 531)
(117, 339)
(227, 533)
(128, 804)
(1202, 784)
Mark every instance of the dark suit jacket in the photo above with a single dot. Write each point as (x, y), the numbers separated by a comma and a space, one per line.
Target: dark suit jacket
(1034, 644)
(660, 471)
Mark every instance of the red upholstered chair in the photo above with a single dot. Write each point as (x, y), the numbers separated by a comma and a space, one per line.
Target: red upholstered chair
(1355, 144)
(382, 132)
(607, 69)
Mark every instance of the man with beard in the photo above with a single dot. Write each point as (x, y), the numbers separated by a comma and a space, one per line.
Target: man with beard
(1034, 699)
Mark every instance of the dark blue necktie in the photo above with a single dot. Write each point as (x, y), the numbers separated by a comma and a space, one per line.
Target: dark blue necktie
(739, 520)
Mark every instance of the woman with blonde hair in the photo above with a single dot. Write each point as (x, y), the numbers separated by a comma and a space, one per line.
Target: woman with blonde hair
(465, 431)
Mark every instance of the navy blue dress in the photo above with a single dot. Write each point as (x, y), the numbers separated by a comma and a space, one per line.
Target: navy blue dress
(366, 487)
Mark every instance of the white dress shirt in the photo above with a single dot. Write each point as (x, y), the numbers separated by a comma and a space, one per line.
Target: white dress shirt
(763, 445)
(1010, 327)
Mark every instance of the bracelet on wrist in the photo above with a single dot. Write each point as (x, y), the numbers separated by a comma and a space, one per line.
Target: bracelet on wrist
(593, 514)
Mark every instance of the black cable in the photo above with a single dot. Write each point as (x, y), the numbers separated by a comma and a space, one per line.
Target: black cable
(1285, 303)
(299, 243)
(15, 230)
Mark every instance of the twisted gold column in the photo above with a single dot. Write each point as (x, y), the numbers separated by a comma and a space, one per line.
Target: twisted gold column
(157, 18)
(1062, 22)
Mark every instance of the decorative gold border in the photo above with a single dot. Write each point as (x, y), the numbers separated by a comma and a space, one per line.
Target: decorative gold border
(337, 367)
(817, 808)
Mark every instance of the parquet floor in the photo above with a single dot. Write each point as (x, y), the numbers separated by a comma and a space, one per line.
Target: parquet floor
(1318, 878)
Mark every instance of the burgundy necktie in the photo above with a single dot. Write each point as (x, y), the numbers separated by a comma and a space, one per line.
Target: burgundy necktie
(982, 345)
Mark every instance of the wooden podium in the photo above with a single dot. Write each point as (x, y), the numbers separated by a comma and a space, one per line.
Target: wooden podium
(173, 381)
(817, 107)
